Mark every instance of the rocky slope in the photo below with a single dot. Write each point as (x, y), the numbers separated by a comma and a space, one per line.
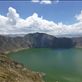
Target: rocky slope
(35, 40)
(11, 71)
(12, 43)
(78, 42)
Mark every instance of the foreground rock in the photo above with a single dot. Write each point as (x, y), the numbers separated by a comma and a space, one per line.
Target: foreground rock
(11, 71)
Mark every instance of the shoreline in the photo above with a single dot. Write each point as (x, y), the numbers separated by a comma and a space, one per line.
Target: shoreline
(17, 50)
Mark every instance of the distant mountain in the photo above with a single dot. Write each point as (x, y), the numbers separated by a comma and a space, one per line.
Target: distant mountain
(37, 40)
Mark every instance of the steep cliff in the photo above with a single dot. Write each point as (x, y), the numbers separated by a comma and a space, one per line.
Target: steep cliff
(41, 40)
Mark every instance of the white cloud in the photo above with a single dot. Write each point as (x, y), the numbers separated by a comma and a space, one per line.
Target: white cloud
(12, 15)
(35, 1)
(14, 24)
(79, 17)
(42, 1)
(46, 2)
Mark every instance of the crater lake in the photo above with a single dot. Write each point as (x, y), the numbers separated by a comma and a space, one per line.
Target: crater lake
(59, 65)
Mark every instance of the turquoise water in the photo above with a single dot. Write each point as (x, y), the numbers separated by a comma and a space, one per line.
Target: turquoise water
(62, 65)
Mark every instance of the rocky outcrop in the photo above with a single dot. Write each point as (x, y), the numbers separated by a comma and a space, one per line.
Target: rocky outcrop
(11, 71)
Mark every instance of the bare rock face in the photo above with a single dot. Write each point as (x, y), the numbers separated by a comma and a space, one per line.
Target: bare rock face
(11, 71)
(42, 40)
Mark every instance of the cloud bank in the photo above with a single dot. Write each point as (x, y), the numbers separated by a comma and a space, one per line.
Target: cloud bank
(14, 24)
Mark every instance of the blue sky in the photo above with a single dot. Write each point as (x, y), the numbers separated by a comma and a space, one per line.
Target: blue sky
(64, 11)
(62, 18)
